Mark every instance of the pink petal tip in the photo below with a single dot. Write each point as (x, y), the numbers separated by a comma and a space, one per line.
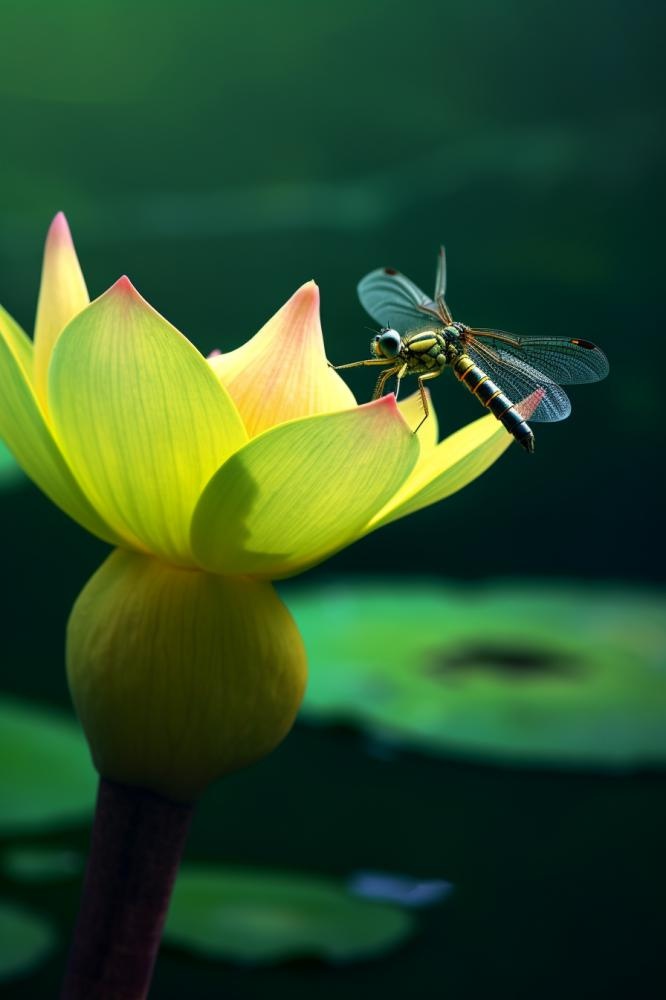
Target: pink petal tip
(386, 405)
(123, 290)
(59, 230)
(307, 293)
(124, 286)
(303, 306)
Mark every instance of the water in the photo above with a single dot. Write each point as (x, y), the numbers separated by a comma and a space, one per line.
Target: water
(222, 154)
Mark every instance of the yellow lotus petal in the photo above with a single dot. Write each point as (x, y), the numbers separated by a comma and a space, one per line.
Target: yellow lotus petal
(302, 490)
(454, 463)
(282, 372)
(141, 418)
(412, 410)
(19, 342)
(62, 294)
(23, 428)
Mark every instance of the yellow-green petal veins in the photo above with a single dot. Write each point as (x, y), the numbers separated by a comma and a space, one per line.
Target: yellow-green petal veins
(282, 372)
(24, 429)
(19, 342)
(453, 464)
(141, 418)
(179, 676)
(302, 490)
(62, 295)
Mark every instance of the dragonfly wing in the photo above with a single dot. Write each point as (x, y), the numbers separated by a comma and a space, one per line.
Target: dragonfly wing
(395, 301)
(440, 288)
(440, 279)
(519, 381)
(567, 361)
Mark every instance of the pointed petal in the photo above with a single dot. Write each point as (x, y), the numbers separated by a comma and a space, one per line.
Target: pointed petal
(454, 463)
(282, 373)
(302, 490)
(24, 429)
(141, 418)
(62, 294)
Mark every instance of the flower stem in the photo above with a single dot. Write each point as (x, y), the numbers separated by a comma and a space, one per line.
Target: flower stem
(137, 842)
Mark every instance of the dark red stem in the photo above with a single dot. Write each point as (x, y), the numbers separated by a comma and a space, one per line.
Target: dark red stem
(137, 842)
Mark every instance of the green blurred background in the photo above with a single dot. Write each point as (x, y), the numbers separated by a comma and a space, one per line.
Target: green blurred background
(220, 154)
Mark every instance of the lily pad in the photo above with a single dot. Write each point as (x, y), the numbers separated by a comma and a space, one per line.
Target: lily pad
(46, 778)
(25, 941)
(535, 675)
(42, 864)
(261, 917)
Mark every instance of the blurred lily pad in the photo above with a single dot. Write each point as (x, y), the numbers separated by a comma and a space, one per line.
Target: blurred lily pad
(25, 941)
(46, 778)
(541, 675)
(10, 471)
(42, 864)
(260, 917)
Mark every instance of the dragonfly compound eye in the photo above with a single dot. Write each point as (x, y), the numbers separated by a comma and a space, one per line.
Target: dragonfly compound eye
(387, 343)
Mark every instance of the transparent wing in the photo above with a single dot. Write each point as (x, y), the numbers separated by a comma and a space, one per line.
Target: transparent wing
(393, 300)
(519, 381)
(567, 361)
(440, 288)
(440, 279)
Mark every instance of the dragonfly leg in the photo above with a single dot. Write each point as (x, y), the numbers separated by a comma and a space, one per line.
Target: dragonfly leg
(358, 364)
(424, 398)
(399, 377)
(382, 380)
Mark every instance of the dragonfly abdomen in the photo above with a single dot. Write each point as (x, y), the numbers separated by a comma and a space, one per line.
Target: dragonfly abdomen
(492, 397)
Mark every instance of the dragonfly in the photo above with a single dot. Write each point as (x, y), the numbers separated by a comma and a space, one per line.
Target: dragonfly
(516, 378)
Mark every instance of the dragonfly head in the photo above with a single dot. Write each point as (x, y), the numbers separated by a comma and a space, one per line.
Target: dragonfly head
(386, 343)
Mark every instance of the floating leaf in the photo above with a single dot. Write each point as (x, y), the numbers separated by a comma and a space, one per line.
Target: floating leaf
(261, 917)
(46, 778)
(41, 864)
(25, 940)
(531, 675)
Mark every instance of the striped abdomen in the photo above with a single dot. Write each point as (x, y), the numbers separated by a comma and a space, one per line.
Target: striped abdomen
(494, 399)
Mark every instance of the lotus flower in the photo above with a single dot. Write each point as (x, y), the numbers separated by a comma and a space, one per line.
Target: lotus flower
(246, 467)
(210, 478)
